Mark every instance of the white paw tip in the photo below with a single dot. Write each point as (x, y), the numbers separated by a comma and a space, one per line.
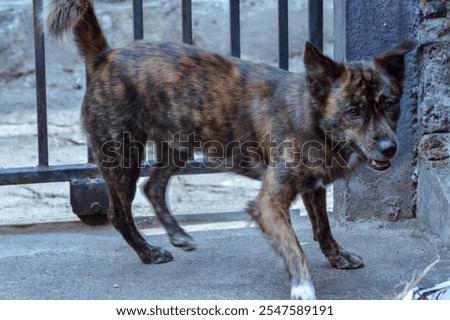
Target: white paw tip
(303, 292)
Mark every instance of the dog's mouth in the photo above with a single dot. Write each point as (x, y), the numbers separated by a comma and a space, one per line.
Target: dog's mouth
(379, 165)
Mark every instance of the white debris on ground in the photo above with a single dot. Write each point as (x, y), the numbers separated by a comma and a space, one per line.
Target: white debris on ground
(440, 291)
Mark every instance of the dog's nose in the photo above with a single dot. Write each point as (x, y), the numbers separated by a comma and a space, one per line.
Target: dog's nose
(388, 148)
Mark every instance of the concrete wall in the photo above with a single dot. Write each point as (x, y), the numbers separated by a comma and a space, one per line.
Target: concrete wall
(433, 194)
(418, 184)
(364, 29)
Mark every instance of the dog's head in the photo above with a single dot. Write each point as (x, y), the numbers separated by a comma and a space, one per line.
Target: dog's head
(359, 102)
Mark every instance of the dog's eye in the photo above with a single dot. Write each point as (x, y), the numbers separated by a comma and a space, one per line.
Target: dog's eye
(353, 113)
(389, 104)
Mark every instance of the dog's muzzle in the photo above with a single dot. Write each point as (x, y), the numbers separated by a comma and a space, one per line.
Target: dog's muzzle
(387, 148)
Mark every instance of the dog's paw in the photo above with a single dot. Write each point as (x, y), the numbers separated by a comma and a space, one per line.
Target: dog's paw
(342, 259)
(155, 255)
(303, 291)
(183, 241)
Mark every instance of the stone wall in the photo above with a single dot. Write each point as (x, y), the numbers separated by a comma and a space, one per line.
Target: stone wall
(418, 184)
(364, 29)
(16, 44)
(433, 173)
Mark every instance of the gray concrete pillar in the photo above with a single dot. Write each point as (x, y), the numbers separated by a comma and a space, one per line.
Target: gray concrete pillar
(363, 29)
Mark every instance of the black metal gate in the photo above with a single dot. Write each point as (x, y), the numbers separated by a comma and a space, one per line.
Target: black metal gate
(88, 194)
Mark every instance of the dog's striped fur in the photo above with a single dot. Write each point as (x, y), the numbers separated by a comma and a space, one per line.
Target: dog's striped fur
(295, 132)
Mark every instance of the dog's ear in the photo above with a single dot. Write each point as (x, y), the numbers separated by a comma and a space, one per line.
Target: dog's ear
(392, 62)
(319, 68)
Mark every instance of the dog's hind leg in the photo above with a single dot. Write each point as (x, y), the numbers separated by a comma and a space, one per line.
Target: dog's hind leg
(121, 180)
(271, 211)
(315, 203)
(169, 162)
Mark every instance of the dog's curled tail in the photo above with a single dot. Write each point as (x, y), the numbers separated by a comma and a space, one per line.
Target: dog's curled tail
(76, 16)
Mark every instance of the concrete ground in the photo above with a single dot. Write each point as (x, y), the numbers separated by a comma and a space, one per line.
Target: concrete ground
(68, 260)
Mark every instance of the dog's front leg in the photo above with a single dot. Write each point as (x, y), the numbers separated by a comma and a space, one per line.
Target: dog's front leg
(315, 203)
(271, 211)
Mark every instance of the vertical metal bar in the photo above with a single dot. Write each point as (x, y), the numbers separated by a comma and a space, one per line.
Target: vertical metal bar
(138, 20)
(186, 8)
(315, 13)
(41, 93)
(283, 34)
(90, 156)
(235, 28)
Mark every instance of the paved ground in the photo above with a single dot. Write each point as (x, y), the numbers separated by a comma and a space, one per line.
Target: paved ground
(233, 261)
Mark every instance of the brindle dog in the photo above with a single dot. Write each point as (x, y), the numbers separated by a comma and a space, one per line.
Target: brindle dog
(294, 132)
